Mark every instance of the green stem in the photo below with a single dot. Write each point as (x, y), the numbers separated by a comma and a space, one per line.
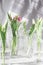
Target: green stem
(38, 43)
(14, 46)
(3, 54)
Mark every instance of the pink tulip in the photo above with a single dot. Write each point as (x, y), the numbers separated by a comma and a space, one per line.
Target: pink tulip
(19, 18)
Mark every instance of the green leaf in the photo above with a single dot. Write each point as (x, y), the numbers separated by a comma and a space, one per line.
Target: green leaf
(14, 27)
(24, 25)
(18, 24)
(0, 27)
(32, 29)
(9, 16)
(6, 25)
(3, 35)
(0, 30)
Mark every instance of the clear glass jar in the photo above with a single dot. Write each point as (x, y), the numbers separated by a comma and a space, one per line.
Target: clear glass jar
(22, 45)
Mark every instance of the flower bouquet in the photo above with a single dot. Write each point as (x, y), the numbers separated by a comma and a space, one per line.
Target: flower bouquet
(3, 30)
(39, 35)
(15, 23)
(36, 27)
